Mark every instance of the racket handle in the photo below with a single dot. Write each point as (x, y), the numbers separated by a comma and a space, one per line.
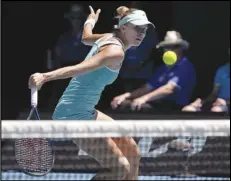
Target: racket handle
(34, 97)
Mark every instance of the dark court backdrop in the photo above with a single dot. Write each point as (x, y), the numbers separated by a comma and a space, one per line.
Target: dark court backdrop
(30, 28)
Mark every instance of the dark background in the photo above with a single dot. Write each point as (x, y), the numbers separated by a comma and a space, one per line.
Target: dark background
(30, 28)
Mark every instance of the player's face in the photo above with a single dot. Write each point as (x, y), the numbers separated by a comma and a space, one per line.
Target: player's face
(135, 34)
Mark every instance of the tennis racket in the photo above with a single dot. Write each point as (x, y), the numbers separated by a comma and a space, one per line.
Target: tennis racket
(34, 156)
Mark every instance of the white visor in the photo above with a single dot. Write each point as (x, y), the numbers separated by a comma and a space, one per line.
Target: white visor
(137, 17)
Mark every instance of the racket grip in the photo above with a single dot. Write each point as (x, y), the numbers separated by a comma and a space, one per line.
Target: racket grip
(34, 97)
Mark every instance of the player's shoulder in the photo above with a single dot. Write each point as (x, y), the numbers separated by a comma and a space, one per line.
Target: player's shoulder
(112, 39)
(113, 50)
(115, 41)
(111, 46)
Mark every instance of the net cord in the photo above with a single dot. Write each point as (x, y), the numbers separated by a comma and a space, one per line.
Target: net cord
(89, 129)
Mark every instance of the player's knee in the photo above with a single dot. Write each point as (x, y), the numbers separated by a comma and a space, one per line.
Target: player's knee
(137, 153)
(123, 166)
(189, 108)
(134, 151)
(217, 109)
(136, 157)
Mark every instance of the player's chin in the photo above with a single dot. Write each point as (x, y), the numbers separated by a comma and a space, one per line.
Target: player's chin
(137, 42)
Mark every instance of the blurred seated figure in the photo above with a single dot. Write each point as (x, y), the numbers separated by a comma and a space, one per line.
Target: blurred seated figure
(219, 99)
(170, 87)
(69, 50)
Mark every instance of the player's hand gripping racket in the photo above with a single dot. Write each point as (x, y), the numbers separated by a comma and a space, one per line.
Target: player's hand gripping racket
(34, 155)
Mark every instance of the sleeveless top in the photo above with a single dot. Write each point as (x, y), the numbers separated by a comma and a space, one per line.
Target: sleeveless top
(84, 91)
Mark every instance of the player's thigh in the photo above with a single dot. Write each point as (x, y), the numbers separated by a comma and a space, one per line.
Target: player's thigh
(128, 146)
(100, 148)
(102, 117)
(90, 145)
(103, 150)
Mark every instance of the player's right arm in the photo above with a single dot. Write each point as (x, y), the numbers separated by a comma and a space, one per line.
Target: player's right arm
(108, 56)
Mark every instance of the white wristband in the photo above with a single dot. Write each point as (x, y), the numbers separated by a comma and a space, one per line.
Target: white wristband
(91, 21)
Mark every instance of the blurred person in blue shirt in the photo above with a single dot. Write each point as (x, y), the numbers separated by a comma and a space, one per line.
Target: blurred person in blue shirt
(219, 99)
(69, 49)
(170, 87)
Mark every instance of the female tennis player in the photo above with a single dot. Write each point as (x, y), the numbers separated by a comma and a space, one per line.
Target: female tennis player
(100, 68)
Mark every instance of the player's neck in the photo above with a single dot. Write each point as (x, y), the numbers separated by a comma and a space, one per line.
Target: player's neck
(124, 40)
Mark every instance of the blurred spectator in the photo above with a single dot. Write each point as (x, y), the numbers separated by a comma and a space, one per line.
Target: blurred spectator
(170, 87)
(69, 49)
(219, 99)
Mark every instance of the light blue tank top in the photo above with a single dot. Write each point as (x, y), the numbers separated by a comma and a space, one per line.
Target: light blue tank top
(83, 92)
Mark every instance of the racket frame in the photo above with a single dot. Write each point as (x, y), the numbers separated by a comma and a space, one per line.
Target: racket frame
(35, 110)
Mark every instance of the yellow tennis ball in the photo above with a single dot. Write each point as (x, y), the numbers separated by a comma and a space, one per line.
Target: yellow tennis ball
(169, 58)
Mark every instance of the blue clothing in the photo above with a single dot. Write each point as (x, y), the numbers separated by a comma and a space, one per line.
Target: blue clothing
(83, 92)
(135, 55)
(222, 79)
(72, 50)
(182, 74)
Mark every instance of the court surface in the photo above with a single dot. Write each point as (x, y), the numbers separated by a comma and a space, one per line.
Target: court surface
(86, 176)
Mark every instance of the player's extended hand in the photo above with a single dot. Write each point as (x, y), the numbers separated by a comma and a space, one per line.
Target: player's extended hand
(138, 103)
(94, 15)
(36, 80)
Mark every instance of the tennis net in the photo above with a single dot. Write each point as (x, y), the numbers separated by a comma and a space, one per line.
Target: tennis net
(169, 150)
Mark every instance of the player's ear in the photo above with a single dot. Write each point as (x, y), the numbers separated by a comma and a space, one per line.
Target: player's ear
(122, 28)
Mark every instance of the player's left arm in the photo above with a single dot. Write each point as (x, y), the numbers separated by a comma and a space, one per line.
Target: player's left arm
(88, 38)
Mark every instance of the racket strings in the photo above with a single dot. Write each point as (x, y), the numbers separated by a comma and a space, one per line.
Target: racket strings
(34, 155)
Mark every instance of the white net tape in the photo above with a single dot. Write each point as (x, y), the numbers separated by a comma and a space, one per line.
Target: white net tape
(168, 148)
(87, 129)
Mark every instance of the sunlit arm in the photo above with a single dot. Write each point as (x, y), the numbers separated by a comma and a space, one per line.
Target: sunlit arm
(104, 58)
(160, 92)
(88, 38)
